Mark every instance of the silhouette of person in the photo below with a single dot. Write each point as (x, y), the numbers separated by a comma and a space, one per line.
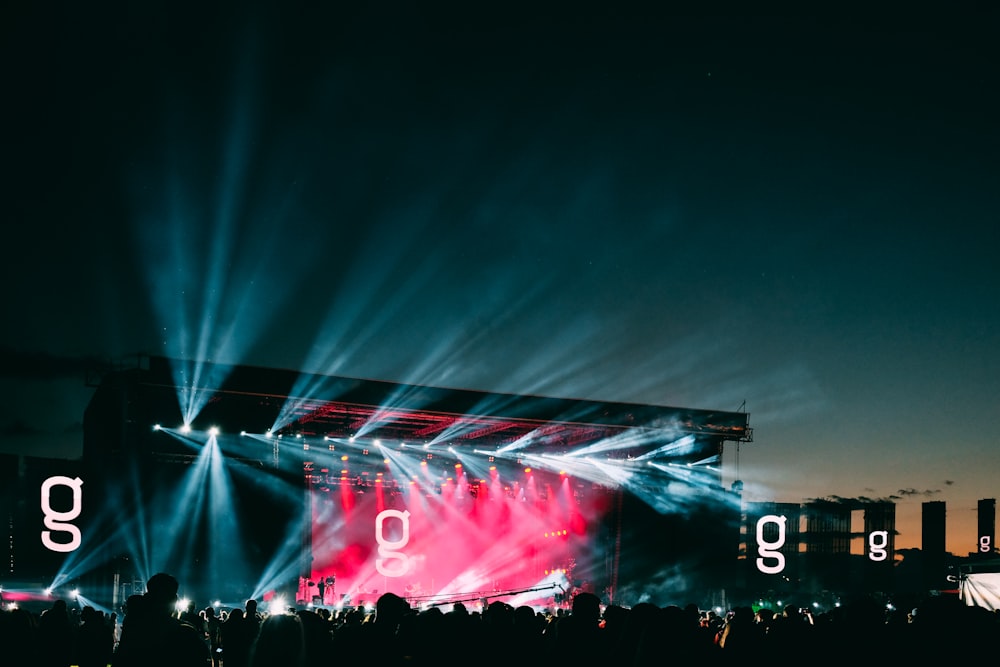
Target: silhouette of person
(280, 642)
(213, 630)
(95, 639)
(56, 634)
(236, 640)
(153, 637)
(252, 619)
(579, 636)
(385, 633)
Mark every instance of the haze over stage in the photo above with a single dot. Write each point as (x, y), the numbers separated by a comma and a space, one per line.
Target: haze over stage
(239, 477)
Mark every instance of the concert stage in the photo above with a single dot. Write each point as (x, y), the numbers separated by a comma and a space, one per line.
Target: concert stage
(245, 481)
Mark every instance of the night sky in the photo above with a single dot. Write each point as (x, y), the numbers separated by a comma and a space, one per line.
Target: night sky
(787, 214)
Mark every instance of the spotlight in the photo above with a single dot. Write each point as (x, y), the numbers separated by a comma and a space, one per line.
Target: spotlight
(186, 428)
(213, 431)
(156, 427)
(277, 605)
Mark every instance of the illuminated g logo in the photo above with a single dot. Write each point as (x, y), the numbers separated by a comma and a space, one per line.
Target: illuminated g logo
(54, 520)
(389, 550)
(878, 540)
(984, 544)
(767, 549)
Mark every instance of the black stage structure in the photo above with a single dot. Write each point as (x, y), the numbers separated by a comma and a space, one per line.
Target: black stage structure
(331, 490)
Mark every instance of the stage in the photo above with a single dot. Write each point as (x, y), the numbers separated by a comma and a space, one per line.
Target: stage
(251, 482)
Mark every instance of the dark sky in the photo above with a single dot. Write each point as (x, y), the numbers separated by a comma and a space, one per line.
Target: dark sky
(788, 212)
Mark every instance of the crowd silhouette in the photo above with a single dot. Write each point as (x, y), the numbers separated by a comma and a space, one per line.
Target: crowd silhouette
(153, 633)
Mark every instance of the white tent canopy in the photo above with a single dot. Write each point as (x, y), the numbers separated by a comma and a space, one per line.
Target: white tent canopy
(981, 590)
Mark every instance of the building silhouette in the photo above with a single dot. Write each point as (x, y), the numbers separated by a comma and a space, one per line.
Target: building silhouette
(932, 545)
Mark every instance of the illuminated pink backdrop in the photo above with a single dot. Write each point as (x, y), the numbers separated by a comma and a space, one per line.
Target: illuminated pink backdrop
(461, 538)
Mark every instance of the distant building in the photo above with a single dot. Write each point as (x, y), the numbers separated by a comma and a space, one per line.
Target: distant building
(987, 521)
(932, 545)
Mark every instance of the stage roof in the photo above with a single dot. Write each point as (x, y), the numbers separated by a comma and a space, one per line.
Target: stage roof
(250, 398)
